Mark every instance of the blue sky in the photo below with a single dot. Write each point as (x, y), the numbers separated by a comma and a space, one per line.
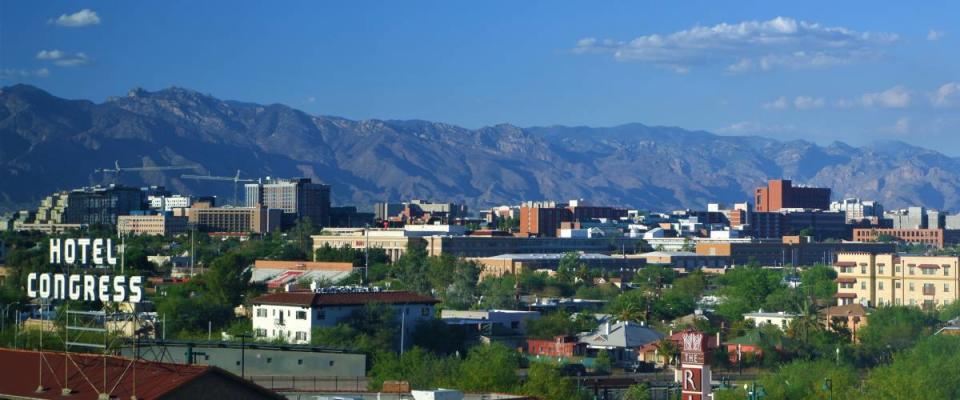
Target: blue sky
(822, 71)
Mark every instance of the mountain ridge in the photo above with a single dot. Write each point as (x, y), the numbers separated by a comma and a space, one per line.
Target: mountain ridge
(365, 161)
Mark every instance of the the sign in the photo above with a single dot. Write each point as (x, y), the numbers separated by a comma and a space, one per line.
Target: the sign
(84, 253)
(695, 372)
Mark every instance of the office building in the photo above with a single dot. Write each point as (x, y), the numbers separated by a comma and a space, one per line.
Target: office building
(544, 219)
(90, 205)
(883, 279)
(937, 238)
(789, 251)
(858, 210)
(296, 198)
(157, 224)
(168, 203)
(236, 219)
(780, 194)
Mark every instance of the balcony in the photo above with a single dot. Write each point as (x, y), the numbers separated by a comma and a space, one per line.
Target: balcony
(278, 322)
(929, 291)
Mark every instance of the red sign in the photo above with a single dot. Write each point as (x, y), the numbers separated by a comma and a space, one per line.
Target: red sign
(695, 373)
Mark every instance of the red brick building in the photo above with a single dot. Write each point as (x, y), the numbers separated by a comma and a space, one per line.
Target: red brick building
(780, 193)
(545, 219)
(560, 346)
(929, 237)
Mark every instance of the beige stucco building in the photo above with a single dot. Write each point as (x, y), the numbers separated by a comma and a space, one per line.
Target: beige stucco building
(889, 279)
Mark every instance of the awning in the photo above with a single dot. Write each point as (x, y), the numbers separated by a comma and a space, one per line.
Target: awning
(928, 266)
(846, 280)
(846, 295)
(845, 264)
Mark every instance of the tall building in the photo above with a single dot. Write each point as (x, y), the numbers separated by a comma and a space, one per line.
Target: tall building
(297, 198)
(780, 194)
(882, 279)
(90, 205)
(936, 238)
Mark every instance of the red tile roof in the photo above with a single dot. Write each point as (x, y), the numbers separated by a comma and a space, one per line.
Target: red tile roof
(23, 369)
(307, 299)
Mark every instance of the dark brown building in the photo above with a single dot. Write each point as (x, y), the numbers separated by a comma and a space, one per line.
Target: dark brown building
(780, 193)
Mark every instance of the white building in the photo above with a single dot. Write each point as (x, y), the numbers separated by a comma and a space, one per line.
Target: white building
(857, 209)
(292, 316)
(168, 203)
(780, 319)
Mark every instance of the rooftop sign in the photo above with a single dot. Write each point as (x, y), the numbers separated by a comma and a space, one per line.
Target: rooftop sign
(84, 253)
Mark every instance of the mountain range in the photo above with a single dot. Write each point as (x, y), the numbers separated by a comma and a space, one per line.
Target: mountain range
(49, 143)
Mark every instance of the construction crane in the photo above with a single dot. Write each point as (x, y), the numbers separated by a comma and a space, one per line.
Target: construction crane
(235, 179)
(117, 169)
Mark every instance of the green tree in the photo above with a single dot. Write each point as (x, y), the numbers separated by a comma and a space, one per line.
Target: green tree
(894, 328)
(227, 278)
(640, 391)
(545, 382)
(805, 380)
(489, 368)
(931, 370)
(603, 364)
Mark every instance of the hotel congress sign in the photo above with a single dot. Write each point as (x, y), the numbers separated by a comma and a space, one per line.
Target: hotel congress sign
(84, 253)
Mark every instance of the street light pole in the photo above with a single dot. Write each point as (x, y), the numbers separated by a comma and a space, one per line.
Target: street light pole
(243, 360)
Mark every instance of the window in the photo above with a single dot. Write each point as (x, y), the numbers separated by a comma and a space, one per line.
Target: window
(928, 289)
(863, 285)
(880, 285)
(897, 285)
(928, 271)
(913, 302)
(896, 269)
(274, 313)
(300, 362)
(863, 270)
(261, 312)
(946, 270)
(301, 335)
(321, 314)
(911, 270)
(260, 332)
(911, 286)
(880, 268)
(331, 363)
(301, 315)
(946, 288)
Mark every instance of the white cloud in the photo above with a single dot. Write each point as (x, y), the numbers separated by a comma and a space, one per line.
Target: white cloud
(79, 19)
(902, 126)
(946, 95)
(895, 97)
(62, 58)
(24, 73)
(756, 128)
(934, 35)
(799, 102)
(750, 45)
(780, 103)
(806, 102)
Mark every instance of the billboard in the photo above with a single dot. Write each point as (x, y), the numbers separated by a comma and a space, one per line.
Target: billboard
(85, 254)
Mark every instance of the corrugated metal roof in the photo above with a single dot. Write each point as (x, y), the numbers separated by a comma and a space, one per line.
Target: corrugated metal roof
(23, 371)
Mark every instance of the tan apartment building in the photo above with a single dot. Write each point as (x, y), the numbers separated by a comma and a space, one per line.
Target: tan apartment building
(158, 225)
(881, 279)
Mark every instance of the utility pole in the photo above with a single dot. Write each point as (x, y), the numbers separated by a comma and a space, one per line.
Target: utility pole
(366, 254)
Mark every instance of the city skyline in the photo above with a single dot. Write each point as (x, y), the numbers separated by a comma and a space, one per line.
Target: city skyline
(851, 72)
